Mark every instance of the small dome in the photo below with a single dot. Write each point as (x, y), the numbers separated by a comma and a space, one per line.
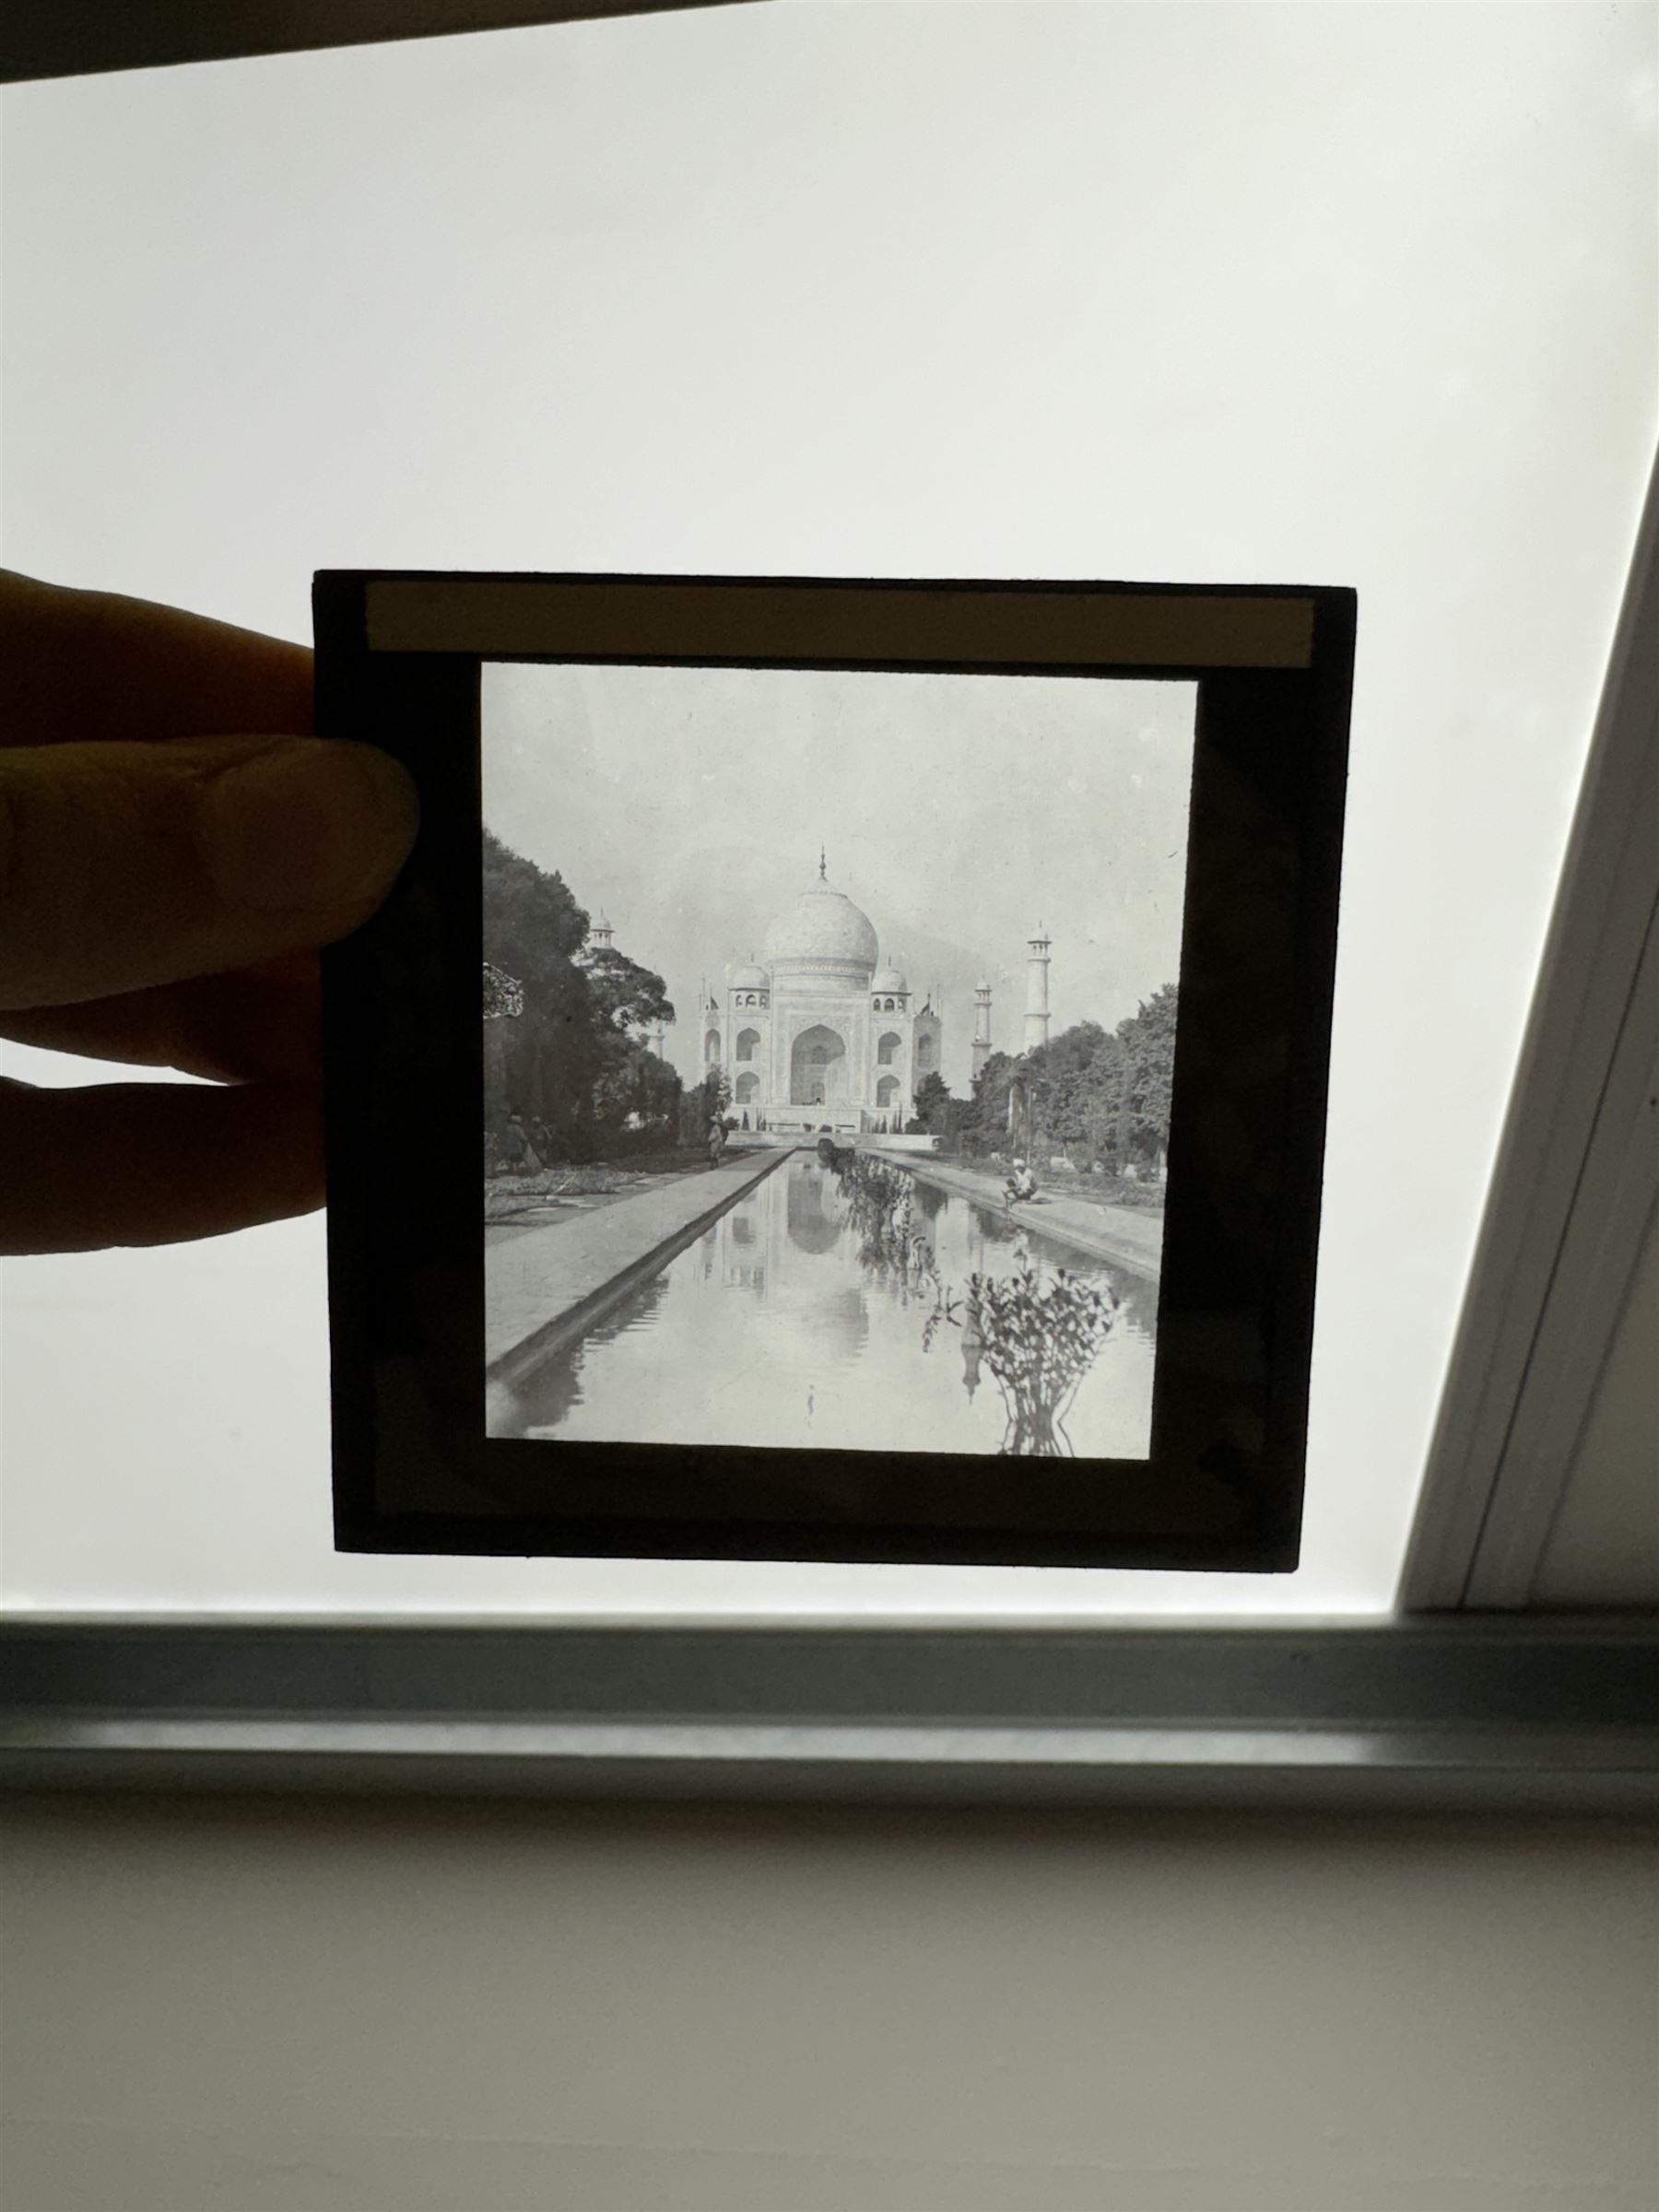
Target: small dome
(887, 979)
(751, 976)
(823, 925)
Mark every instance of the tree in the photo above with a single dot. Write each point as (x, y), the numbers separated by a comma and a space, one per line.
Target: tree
(1099, 1097)
(635, 1090)
(1062, 1078)
(1147, 1041)
(630, 996)
(937, 1112)
(983, 1121)
(704, 1104)
(1091, 1088)
(1109, 1090)
(547, 1057)
(530, 918)
(570, 1059)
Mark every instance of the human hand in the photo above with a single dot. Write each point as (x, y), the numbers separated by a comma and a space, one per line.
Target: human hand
(164, 888)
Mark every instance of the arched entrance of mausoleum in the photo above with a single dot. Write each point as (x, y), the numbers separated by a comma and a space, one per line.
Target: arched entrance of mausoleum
(817, 1068)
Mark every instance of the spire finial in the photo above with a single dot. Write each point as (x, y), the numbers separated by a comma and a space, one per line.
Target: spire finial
(822, 863)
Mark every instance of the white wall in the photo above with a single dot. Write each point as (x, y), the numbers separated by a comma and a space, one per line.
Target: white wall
(255, 2007)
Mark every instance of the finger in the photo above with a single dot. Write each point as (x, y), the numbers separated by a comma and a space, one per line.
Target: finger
(153, 1163)
(258, 1025)
(92, 667)
(125, 866)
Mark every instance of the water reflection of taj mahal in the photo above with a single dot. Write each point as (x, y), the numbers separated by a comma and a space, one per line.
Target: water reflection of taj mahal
(818, 1029)
(768, 1245)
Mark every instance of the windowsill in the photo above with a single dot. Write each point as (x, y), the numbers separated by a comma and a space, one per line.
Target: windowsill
(1528, 1713)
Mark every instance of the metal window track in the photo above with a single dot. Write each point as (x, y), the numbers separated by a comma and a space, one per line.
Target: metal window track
(1544, 1714)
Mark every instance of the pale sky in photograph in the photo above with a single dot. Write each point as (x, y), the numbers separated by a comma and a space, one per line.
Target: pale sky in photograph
(958, 811)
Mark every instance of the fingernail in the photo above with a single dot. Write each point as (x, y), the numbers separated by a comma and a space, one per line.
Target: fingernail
(308, 822)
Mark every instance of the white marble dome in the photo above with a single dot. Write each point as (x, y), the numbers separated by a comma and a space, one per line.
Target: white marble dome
(750, 976)
(888, 979)
(823, 927)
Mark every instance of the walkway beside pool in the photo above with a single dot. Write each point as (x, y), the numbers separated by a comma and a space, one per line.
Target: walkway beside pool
(544, 1285)
(1118, 1234)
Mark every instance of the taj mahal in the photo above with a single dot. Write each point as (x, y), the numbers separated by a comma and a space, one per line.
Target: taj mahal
(819, 1031)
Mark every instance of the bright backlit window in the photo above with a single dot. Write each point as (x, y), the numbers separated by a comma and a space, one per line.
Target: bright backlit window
(1344, 295)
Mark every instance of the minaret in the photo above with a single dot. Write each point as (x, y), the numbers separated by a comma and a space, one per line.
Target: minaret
(1037, 1006)
(660, 1040)
(602, 933)
(981, 1027)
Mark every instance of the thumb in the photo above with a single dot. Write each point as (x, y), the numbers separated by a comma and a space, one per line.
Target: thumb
(125, 865)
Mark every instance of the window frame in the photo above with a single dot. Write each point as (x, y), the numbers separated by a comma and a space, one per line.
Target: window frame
(77, 38)
(1575, 1189)
(1448, 1713)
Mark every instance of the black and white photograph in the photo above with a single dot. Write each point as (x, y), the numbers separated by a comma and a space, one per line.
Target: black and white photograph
(835, 1039)
(828, 1022)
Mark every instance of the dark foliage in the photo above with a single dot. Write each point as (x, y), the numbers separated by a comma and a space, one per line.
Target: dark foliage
(1092, 1093)
(568, 1062)
(1036, 1331)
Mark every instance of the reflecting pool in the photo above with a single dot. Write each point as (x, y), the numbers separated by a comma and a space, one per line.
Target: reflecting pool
(771, 1329)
